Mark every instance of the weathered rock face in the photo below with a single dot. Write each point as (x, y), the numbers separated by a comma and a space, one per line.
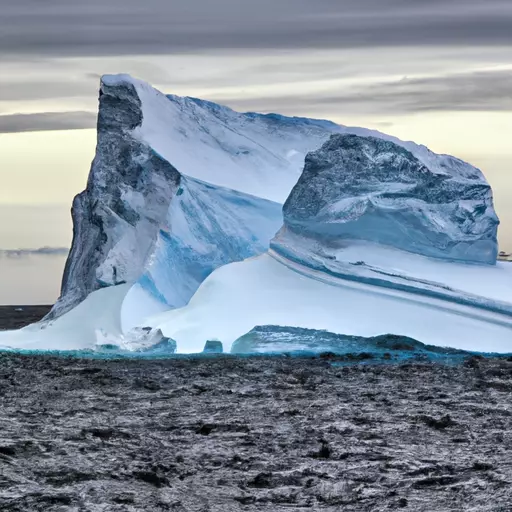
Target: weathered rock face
(117, 218)
(366, 188)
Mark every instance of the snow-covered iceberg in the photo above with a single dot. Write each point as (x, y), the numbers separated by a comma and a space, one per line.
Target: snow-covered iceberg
(379, 235)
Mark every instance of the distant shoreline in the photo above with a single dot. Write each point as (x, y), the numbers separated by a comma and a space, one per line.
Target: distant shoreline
(18, 316)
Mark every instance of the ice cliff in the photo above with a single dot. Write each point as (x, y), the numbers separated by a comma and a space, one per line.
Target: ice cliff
(117, 218)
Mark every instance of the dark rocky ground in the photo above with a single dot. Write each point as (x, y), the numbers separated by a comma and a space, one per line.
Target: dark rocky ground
(14, 317)
(225, 434)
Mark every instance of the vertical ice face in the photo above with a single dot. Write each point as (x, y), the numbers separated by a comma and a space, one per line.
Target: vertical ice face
(369, 189)
(117, 218)
(207, 227)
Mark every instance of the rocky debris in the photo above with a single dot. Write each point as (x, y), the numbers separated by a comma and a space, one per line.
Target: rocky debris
(253, 433)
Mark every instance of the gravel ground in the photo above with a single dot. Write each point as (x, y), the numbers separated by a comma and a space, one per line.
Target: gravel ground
(225, 434)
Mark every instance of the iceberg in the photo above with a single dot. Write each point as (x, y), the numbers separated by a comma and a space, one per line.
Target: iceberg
(164, 158)
(181, 235)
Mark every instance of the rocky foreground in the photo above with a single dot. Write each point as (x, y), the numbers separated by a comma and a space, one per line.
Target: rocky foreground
(225, 434)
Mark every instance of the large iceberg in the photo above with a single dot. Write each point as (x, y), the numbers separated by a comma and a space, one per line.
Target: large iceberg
(173, 233)
(180, 186)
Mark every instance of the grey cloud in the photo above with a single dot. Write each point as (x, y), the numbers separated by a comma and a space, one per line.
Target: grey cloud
(121, 27)
(42, 251)
(30, 89)
(47, 121)
(478, 91)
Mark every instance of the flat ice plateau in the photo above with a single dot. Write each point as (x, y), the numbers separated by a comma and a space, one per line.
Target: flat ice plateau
(200, 223)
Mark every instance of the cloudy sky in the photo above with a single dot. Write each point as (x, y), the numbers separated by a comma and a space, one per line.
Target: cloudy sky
(438, 72)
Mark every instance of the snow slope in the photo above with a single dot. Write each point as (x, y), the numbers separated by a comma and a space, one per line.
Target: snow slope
(481, 286)
(257, 154)
(95, 320)
(264, 291)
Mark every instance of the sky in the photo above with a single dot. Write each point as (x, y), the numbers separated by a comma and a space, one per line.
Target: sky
(438, 72)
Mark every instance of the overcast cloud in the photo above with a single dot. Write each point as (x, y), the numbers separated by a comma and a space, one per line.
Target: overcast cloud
(44, 121)
(54, 51)
(114, 27)
(475, 91)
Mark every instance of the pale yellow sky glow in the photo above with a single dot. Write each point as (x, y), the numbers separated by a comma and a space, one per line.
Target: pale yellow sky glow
(45, 167)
